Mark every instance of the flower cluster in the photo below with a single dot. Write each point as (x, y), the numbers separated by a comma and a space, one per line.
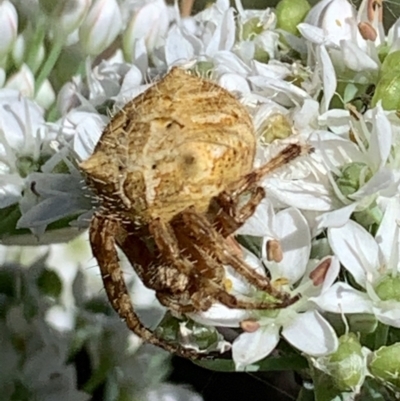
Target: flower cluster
(328, 230)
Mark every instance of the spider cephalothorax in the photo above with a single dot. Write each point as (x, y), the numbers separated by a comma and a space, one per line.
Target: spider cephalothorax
(174, 173)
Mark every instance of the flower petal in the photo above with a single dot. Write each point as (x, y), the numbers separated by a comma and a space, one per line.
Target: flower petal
(336, 218)
(252, 347)
(388, 312)
(311, 333)
(328, 76)
(342, 298)
(380, 142)
(356, 250)
(294, 236)
(387, 235)
(355, 58)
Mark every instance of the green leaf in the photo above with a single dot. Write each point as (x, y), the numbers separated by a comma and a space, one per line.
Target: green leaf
(49, 283)
(9, 217)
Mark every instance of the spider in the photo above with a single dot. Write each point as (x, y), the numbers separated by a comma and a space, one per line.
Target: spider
(173, 171)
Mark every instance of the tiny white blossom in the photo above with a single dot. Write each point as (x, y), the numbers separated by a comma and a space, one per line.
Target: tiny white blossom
(374, 264)
(100, 27)
(8, 28)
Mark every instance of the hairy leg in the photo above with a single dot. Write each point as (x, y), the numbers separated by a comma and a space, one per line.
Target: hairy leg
(206, 234)
(102, 239)
(208, 290)
(228, 211)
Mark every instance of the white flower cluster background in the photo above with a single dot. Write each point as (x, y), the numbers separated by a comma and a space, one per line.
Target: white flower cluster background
(328, 76)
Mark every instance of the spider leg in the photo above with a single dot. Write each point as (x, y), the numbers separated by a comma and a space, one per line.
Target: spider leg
(208, 289)
(228, 211)
(102, 239)
(170, 285)
(200, 295)
(153, 273)
(203, 230)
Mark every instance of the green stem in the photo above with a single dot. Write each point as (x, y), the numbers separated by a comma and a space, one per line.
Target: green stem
(34, 45)
(49, 64)
(381, 335)
(53, 114)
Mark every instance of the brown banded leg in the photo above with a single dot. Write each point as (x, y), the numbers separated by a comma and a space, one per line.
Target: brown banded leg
(153, 273)
(227, 211)
(229, 300)
(207, 289)
(203, 230)
(102, 239)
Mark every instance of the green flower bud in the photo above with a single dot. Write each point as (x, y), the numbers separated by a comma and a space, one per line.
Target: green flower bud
(188, 332)
(354, 175)
(384, 364)
(347, 365)
(391, 63)
(204, 69)
(388, 91)
(276, 126)
(251, 28)
(388, 288)
(261, 55)
(372, 215)
(290, 13)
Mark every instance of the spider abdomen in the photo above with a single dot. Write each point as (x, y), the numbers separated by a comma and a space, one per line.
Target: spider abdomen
(179, 144)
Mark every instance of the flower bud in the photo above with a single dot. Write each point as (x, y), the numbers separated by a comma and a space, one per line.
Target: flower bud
(276, 126)
(388, 88)
(384, 364)
(22, 81)
(8, 26)
(37, 60)
(149, 22)
(189, 333)
(67, 97)
(18, 50)
(347, 364)
(45, 96)
(251, 28)
(100, 27)
(388, 288)
(70, 15)
(290, 13)
(390, 63)
(353, 176)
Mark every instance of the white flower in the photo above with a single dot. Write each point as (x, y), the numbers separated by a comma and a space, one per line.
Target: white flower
(374, 264)
(23, 141)
(23, 81)
(376, 177)
(70, 15)
(100, 27)
(45, 96)
(149, 22)
(8, 28)
(300, 323)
